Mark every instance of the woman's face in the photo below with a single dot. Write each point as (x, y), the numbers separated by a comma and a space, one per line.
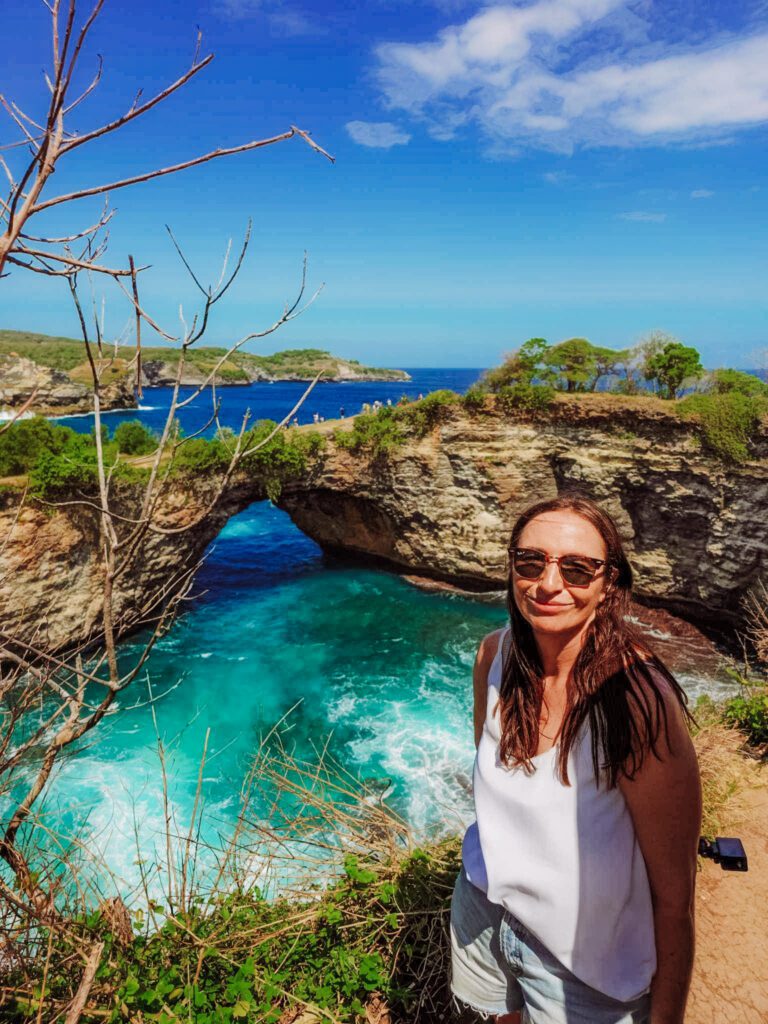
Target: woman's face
(549, 604)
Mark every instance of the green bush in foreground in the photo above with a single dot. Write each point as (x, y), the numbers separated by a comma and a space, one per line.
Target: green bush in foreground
(74, 468)
(275, 459)
(729, 421)
(23, 442)
(381, 928)
(748, 710)
(133, 438)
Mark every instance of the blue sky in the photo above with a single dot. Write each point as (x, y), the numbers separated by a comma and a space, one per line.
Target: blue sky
(554, 168)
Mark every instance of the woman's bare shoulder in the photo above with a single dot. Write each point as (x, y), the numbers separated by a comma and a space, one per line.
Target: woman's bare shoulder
(489, 646)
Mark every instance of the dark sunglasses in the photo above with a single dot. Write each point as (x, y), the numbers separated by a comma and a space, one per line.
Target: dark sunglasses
(576, 570)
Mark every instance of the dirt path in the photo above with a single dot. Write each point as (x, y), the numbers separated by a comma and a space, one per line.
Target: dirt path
(730, 981)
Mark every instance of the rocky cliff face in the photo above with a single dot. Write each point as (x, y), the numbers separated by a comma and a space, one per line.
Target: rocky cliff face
(55, 392)
(442, 505)
(51, 575)
(158, 373)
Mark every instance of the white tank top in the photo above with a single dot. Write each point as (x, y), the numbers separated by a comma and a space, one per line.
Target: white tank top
(563, 860)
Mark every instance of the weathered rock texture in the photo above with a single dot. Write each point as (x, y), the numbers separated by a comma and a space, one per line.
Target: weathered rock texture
(443, 505)
(51, 574)
(440, 507)
(55, 392)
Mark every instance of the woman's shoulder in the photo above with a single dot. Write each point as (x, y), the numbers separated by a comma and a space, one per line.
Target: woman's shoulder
(488, 647)
(659, 702)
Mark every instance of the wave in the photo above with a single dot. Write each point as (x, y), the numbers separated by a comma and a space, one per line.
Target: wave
(5, 416)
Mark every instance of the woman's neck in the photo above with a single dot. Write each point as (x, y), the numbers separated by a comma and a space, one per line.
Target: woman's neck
(558, 655)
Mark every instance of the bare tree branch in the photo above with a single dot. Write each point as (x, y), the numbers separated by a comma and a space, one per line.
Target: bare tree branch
(175, 168)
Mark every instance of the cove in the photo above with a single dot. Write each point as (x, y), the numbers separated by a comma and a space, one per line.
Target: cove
(374, 667)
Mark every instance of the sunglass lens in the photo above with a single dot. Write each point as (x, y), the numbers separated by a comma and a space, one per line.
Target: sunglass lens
(577, 572)
(529, 564)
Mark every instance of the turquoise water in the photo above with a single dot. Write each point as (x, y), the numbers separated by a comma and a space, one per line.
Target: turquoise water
(357, 659)
(374, 668)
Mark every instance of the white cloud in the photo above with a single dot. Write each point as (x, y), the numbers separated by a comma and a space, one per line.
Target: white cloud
(538, 75)
(644, 216)
(702, 193)
(377, 134)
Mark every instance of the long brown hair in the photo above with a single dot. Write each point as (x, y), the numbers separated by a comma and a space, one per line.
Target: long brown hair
(616, 682)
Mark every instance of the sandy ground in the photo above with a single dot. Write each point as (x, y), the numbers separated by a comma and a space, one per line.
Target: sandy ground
(730, 982)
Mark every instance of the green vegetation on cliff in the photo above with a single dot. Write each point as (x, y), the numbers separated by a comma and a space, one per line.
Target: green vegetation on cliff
(58, 461)
(727, 420)
(68, 355)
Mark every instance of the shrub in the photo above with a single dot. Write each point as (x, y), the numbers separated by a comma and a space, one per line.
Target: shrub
(377, 433)
(474, 399)
(23, 443)
(283, 456)
(748, 711)
(133, 438)
(725, 380)
(525, 398)
(728, 421)
(430, 410)
(198, 456)
(74, 468)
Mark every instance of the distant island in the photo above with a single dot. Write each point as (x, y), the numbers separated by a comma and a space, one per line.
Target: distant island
(59, 372)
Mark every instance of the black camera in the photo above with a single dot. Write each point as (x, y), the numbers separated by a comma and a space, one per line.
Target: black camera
(728, 853)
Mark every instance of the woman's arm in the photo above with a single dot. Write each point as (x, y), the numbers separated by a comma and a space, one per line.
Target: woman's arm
(664, 800)
(486, 652)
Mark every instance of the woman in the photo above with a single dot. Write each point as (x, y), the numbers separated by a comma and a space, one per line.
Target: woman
(575, 900)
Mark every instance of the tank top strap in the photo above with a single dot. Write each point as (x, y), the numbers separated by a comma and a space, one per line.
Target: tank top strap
(496, 671)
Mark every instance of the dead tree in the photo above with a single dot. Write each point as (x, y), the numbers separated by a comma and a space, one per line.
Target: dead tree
(51, 701)
(42, 143)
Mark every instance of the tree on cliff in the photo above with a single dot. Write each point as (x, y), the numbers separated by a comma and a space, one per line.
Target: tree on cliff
(577, 364)
(671, 366)
(572, 365)
(522, 366)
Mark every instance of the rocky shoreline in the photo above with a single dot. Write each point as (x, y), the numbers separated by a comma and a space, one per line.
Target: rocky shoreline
(54, 373)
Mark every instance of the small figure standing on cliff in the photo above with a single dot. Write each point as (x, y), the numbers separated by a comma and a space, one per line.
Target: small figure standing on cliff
(575, 899)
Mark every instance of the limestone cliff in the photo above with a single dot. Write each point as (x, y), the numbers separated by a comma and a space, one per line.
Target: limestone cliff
(55, 392)
(442, 505)
(439, 506)
(51, 575)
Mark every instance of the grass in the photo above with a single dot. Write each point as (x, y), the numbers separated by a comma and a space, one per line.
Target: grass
(373, 935)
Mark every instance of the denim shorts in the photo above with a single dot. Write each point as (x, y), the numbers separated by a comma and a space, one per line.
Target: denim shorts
(498, 967)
